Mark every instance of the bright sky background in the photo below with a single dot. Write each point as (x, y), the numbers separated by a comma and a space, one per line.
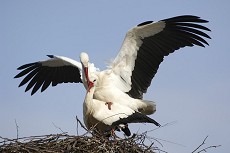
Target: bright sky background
(192, 86)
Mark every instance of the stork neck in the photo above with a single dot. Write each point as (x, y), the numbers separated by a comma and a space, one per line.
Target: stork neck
(89, 96)
(89, 101)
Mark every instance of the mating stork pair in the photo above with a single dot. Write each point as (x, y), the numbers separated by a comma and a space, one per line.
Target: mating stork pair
(114, 96)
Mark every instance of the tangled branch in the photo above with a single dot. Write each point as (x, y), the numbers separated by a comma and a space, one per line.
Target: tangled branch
(91, 141)
(199, 148)
(69, 143)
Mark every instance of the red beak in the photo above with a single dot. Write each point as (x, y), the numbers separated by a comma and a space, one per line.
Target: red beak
(90, 84)
(86, 73)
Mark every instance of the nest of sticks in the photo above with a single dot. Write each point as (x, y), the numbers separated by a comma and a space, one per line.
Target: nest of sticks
(91, 141)
(64, 143)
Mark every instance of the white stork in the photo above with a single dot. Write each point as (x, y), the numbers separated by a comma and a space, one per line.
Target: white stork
(131, 72)
(97, 115)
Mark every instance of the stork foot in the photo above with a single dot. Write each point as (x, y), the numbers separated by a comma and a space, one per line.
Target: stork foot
(111, 133)
(109, 105)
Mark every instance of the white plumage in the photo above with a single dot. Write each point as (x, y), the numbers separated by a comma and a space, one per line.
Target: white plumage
(98, 114)
(131, 72)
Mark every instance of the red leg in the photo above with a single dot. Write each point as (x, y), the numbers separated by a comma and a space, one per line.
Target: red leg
(109, 105)
(112, 132)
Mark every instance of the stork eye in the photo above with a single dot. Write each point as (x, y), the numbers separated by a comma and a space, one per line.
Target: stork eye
(94, 80)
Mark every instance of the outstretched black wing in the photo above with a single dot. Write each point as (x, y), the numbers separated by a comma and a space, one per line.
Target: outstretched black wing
(53, 71)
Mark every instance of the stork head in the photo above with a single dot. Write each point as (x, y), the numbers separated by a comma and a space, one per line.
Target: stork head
(85, 63)
(84, 59)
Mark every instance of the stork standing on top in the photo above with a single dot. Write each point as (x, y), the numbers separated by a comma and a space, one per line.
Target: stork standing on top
(131, 72)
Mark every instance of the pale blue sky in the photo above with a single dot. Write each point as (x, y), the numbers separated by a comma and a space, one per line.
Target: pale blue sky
(191, 87)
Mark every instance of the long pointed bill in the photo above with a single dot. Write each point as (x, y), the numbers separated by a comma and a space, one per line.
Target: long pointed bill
(86, 73)
(89, 83)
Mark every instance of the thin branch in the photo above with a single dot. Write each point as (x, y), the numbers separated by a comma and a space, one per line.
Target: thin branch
(200, 144)
(78, 121)
(16, 127)
(205, 149)
(57, 127)
(167, 124)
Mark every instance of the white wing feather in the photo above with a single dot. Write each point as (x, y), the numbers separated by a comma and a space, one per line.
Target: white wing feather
(124, 63)
(57, 61)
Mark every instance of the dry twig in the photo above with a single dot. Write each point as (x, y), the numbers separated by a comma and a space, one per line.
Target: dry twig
(16, 127)
(88, 142)
(91, 141)
(204, 149)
